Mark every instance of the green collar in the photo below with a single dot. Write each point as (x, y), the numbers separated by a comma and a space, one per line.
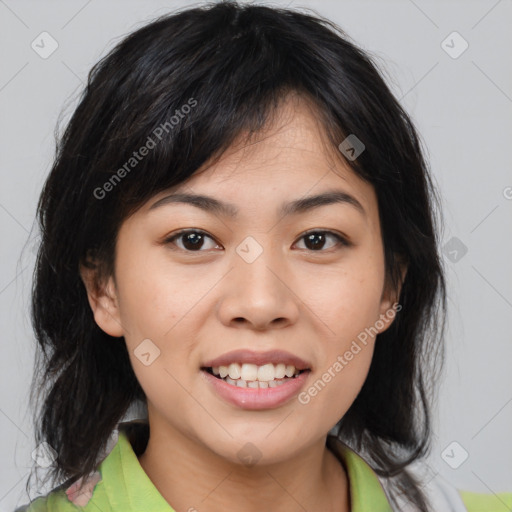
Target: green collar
(126, 484)
(129, 488)
(366, 491)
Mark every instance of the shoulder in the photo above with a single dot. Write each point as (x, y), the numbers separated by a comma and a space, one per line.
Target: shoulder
(445, 497)
(53, 501)
(66, 498)
(86, 493)
(38, 505)
(452, 499)
(481, 502)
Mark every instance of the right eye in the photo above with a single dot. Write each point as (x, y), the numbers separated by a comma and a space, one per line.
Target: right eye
(193, 239)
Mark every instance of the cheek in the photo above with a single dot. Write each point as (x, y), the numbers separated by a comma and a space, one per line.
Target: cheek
(157, 312)
(346, 298)
(347, 304)
(335, 385)
(164, 383)
(156, 295)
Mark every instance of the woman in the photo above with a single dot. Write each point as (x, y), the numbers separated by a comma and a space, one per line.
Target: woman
(238, 232)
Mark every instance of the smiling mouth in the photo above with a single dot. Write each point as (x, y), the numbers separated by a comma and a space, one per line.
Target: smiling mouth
(253, 376)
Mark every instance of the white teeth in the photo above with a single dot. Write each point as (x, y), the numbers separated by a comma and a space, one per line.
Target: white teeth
(266, 372)
(290, 370)
(254, 383)
(249, 372)
(234, 371)
(254, 376)
(280, 371)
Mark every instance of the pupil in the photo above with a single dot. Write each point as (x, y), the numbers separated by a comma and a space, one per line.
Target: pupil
(313, 236)
(194, 238)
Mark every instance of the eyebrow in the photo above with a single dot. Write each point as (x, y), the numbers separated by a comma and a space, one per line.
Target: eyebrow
(305, 204)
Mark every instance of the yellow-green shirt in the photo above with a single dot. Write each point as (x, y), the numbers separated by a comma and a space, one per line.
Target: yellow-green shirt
(121, 485)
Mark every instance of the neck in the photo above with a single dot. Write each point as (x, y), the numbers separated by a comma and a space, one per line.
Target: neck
(192, 478)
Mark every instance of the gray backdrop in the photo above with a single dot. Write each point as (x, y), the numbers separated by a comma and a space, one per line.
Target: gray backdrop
(448, 62)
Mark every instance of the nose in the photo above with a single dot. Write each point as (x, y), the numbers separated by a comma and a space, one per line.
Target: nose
(259, 294)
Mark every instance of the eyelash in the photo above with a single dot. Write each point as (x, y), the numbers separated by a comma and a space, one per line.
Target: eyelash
(342, 240)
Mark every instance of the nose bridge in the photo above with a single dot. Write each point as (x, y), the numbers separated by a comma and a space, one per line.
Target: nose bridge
(254, 260)
(257, 290)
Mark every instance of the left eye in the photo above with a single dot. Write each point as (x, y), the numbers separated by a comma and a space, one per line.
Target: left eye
(193, 239)
(317, 238)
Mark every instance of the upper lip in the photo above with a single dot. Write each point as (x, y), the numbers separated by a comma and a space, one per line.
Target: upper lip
(258, 358)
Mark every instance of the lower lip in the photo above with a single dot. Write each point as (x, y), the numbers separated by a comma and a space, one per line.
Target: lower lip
(257, 398)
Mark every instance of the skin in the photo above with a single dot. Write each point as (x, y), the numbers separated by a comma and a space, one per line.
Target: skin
(199, 304)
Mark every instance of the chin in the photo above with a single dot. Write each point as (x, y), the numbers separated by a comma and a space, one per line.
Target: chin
(258, 447)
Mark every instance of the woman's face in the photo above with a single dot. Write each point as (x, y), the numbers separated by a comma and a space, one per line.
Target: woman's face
(261, 280)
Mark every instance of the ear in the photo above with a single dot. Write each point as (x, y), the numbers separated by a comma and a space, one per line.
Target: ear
(103, 301)
(389, 300)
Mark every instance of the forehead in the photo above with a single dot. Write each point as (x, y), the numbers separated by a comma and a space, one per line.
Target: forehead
(289, 159)
(294, 131)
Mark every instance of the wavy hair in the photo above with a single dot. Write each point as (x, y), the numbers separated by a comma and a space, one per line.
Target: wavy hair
(237, 62)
